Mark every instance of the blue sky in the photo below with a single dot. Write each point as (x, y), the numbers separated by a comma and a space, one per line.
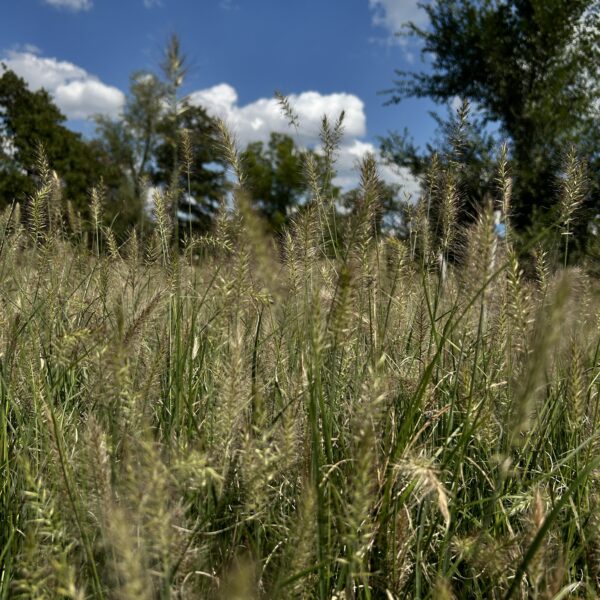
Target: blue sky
(328, 54)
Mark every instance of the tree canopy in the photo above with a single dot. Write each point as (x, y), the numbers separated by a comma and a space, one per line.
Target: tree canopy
(275, 177)
(28, 119)
(164, 140)
(200, 175)
(531, 67)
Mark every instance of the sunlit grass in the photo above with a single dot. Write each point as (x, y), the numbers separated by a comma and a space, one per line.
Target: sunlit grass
(305, 418)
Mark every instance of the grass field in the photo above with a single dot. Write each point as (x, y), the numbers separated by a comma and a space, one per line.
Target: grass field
(307, 419)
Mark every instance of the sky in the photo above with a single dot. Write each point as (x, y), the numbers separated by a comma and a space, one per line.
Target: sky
(326, 55)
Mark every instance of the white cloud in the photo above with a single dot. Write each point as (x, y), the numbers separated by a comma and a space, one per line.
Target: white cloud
(394, 14)
(255, 122)
(83, 99)
(77, 93)
(31, 48)
(75, 5)
(152, 3)
(353, 151)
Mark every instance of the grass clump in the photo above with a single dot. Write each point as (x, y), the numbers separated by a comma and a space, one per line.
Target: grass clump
(339, 414)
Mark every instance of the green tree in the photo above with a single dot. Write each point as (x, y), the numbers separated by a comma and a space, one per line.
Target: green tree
(28, 119)
(192, 165)
(393, 209)
(132, 139)
(162, 139)
(530, 66)
(275, 177)
(462, 145)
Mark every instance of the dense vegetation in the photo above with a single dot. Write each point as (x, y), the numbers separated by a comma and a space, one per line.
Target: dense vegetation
(344, 416)
(530, 70)
(268, 389)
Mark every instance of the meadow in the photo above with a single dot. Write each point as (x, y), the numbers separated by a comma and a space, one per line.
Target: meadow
(335, 414)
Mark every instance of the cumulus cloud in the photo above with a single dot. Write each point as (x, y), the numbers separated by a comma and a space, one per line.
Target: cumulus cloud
(152, 3)
(31, 48)
(351, 153)
(77, 93)
(256, 120)
(74, 5)
(392, 15)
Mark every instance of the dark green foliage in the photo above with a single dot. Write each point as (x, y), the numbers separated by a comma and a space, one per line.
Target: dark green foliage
(275, 177)
(462, 141)
(531, 67)
(392, 214)
(195, 149)
(28, 119)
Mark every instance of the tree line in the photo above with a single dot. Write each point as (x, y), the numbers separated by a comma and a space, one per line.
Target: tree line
(528, 68)
(159, 139)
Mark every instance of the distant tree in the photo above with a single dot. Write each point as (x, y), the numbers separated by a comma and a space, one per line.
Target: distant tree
(462, 144)
(275, 177)
(198, 173)
(28, 119)
(162, 139)
(132, 139)
(393, 209)
(530, 66)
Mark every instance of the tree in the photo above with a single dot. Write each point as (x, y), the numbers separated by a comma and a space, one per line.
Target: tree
(462, 145)
(392, 211)
(131, 140)
(28, 119)
(531, 67)
(275, 177)
(145, 143)
(199, 173)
